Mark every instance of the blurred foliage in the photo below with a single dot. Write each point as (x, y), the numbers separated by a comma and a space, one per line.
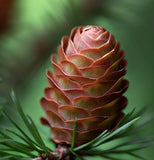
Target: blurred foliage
(6, 9)
(33, 30)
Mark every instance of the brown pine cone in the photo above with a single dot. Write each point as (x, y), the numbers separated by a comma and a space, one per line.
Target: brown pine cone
(87, 84)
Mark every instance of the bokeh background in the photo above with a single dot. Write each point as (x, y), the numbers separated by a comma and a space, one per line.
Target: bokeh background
(31, 30)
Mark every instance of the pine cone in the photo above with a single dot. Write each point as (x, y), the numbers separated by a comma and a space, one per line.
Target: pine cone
(87, 84)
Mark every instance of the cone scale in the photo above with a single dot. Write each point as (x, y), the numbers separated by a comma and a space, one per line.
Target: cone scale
(87, 84)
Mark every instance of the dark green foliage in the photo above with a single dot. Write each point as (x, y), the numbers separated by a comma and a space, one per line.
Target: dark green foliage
(28, 147)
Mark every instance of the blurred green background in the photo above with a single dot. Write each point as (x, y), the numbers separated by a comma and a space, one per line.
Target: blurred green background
(31, 30)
